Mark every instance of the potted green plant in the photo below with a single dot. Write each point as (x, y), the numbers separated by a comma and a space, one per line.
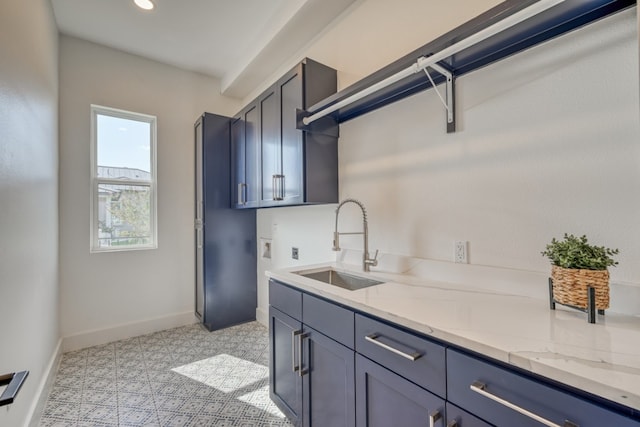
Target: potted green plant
(576, 266)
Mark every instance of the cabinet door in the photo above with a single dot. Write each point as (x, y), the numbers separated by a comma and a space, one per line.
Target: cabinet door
(252, 156)
(244, 159)
(285, 382)
(272, 180)
(292, 141)
(328, 382)
(199, 222)
(386, 399)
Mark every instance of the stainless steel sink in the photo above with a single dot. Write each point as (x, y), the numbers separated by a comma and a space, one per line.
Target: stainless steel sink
(340, 279)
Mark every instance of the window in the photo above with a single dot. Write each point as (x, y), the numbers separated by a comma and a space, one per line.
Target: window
(123, 180)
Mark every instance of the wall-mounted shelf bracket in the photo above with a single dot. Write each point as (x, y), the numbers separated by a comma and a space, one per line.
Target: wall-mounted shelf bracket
(448, 100)
(13, 382)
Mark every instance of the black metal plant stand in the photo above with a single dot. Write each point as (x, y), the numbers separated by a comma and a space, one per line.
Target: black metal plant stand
(591, 303)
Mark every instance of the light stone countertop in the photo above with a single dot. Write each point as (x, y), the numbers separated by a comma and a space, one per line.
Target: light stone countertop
(602, 358)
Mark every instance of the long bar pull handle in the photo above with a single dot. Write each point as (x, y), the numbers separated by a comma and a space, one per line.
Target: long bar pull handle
(281, 187)
(13, 382)
(452, 423)
(480, 388)
(241, 194)
(273, 187)
(277, 182)
(199, 238)
(433, 417)
(373, 338)
(301, 338)
(294, 334)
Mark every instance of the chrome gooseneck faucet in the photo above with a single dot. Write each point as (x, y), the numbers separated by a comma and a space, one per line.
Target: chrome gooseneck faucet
(366, 261)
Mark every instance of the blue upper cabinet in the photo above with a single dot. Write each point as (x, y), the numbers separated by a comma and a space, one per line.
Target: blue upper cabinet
(289, 166)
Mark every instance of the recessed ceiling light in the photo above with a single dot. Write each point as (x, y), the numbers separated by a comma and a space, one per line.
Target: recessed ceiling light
(144, 4)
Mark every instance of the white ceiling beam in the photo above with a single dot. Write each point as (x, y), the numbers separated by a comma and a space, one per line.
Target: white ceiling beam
(309, 20)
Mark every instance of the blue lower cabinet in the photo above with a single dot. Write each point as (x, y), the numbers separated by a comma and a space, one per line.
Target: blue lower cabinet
(312, 376)
(331, 367)
(285, 382)
(328, 382)
(506, 398)
(385, 399)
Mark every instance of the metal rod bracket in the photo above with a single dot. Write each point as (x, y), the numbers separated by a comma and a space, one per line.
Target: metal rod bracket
(448, 100)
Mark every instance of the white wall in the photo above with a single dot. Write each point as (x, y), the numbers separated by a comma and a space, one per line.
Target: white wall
(106, 296)
(547, 144)
(28, 198)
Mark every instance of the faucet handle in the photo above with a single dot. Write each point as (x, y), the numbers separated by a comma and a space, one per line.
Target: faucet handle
(373, 261)
(336, 242)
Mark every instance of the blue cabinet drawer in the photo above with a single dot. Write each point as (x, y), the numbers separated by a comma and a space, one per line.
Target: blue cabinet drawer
(328, 318)
(506, 398)
(415, 358)
(286, 299)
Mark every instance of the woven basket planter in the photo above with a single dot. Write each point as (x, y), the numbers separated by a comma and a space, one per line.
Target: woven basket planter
(570, 286)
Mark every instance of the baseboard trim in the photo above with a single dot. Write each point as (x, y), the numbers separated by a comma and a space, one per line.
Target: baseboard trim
(262, 316)
(37, 407)
(126, 330)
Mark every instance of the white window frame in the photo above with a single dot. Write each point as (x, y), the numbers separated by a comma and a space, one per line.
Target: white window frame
(96, 181)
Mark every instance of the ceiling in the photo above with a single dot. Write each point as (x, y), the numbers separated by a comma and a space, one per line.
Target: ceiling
(241, 42)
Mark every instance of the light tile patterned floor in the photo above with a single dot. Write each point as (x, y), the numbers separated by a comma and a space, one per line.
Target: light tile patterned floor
(180, 377)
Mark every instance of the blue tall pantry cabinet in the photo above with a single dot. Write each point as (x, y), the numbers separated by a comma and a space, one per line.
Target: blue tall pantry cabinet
(226, 292)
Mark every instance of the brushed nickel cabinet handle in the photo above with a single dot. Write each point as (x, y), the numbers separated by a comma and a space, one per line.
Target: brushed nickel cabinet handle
(277, 182)
(452, 423)
(480, 388)
(241, 198)
(433, 417)
(281, 187)
(273, 187)
(373, 338)
(301, 338)
(294, 334)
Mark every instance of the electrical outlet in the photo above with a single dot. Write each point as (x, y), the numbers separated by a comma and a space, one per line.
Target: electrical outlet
(265, 248)
(294, 253)
(460, 252)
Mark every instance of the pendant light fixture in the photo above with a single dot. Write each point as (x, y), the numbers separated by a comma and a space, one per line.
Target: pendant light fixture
(144, 4)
